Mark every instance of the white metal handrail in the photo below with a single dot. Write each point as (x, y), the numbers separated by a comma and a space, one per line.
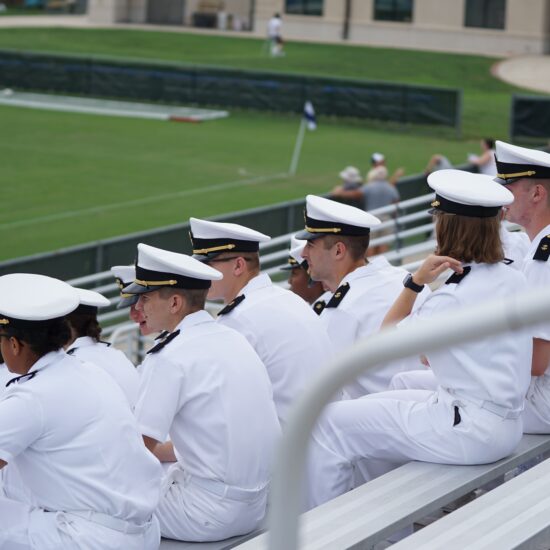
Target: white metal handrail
(460, 326)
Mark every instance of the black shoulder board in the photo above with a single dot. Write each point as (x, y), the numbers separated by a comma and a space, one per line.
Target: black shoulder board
(543, 250)
(108, 344)
(70, 351)
(338, 296)
(319, 306)
(162, 335)
(507, 261)
(232, 305)
(455, 278)
(166, 341)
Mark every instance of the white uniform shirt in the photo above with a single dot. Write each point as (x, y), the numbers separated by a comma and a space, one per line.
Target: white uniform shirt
(75, 441)
(372, 291)
(286, 334)
(209, 391)
(537, 273)
(5, 377)
(112, 361)
(274, 27)
(516, 245)
(496, 368)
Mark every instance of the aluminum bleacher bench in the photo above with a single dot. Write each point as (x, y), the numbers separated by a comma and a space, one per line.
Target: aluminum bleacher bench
(371, 513)
(514, 515)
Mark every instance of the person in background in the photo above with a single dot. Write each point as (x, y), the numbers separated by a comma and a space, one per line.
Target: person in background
(86, 344)
(274, 35)
(299, 280)
(379, 160)
(485, 161)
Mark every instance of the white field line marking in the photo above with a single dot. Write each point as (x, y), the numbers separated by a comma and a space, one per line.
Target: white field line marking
(139, 202)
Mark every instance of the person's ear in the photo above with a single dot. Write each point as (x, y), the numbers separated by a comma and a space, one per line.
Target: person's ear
(240, 266)
(339, 250)
(16, 346)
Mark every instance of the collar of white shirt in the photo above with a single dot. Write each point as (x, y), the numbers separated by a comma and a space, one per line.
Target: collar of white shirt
(83, 342)
(196, 318)
(535, 242)
(371, 268)
(256, 283)
(48, 359)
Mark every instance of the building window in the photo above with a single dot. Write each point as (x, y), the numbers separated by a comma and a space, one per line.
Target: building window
(488, 14)
(304, 7)
(393, 10)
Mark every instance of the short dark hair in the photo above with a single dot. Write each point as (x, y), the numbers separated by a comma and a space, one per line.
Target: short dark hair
(195, 297)
(469, 239)
(490, 142)
(356, 245)
(251, 258)
(84, 322)
(41, 336)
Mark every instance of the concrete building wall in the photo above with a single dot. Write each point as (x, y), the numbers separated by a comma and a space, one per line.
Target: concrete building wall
(436, 24)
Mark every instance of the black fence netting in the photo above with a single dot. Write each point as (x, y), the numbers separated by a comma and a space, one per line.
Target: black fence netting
(530, 117)
(229, 88)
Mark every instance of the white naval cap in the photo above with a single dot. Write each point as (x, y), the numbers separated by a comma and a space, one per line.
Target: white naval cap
(124, 276)
(515, 163)
(91, 299)
(467, 194)
(27, 298)
(157, 268)
(325, 217)
(351, 174)
(210, 239)
(295, 258)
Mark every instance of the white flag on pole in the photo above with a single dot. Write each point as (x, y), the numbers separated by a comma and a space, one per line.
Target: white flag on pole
(309, 115)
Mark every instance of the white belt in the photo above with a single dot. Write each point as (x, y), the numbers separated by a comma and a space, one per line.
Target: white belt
(499, 410)
(110, 522)
(218, 488)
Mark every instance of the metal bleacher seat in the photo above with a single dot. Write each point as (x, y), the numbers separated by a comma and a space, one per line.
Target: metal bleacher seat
(514, 515)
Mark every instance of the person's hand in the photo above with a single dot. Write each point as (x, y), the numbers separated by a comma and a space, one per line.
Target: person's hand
(399, 173)
(433, 267)
(337, 191)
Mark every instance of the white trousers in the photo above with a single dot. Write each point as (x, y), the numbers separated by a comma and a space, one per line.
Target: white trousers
(23, 527)
(191, 513)
(536, 415)
(396, 427)
(421, 379)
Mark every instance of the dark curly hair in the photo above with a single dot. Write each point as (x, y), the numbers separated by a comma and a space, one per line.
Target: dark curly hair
(83, 320)
(41, 336)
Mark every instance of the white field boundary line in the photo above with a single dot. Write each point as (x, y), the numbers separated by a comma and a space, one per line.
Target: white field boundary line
(140, 202)
(110, 108)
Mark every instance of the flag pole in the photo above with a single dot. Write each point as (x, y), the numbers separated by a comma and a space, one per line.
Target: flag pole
(297, 148)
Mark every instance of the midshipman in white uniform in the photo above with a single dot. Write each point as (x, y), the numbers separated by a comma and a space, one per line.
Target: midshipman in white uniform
(86, 345)
(474, 416)
(526, 173)
(68, 428)
(205, 387)
(363, 290)
(280, 326)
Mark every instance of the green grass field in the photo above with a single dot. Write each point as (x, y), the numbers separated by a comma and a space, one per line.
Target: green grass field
(70, 178)
(486, 99)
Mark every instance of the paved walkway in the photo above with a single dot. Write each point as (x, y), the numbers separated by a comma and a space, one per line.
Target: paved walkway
(531, 72)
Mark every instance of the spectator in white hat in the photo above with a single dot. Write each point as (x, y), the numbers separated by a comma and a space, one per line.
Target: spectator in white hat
(68, 428)
(203, 385)
(474, 415)
(338, 237)
(280, 326)
(86, 344)
(526, 173)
